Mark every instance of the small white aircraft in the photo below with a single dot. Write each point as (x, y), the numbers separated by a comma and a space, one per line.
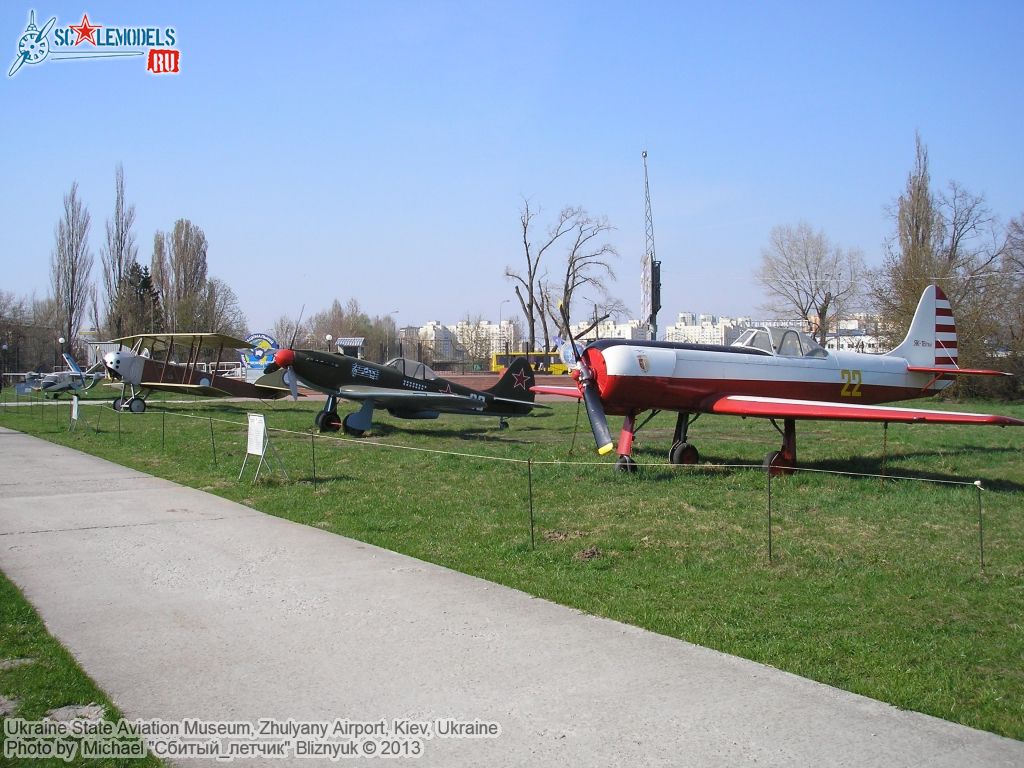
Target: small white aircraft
(72, 380)
(775, 373)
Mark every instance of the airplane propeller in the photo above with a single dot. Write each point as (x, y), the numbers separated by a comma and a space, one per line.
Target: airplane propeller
(591, 395)
(290, 380)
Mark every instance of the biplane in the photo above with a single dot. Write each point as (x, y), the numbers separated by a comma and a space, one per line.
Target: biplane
(771, 373)
(151, 363)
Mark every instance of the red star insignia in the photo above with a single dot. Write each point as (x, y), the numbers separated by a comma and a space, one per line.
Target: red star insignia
(86, 32)
(520, 380)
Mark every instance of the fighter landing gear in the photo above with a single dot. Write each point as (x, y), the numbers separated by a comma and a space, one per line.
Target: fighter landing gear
(328, 420)
(783, 462)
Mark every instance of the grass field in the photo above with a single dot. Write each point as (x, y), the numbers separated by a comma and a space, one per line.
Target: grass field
(874, 585)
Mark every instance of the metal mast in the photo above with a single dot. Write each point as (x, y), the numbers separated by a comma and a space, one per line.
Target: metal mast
(650, 279)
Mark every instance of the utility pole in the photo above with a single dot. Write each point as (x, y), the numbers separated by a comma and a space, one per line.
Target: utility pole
(650, 279)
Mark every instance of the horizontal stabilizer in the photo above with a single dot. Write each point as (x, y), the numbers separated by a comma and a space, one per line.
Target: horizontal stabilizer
(955, 371)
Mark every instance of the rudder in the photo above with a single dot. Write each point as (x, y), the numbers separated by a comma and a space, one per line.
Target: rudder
(931, 340)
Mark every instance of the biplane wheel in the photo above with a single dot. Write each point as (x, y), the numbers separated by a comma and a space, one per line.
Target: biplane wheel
(137, 406)
(502, 424)
(118, 403)
(776, 463)
(352, 431)
(683, 453)
(625, 464)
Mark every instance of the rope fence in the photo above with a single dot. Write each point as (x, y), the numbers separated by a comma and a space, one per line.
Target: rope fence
(529, 463)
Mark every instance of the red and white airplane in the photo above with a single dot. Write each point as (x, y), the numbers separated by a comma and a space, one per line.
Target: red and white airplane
(774, 373)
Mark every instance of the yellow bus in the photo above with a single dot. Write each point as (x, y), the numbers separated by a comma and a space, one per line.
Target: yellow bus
(542, 362)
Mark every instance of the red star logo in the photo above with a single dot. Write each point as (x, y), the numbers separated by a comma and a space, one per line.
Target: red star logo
(520, 380)
(86, 32)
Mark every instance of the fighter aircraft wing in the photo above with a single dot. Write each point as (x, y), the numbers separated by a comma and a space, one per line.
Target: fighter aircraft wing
(386, 397)
(783, 408)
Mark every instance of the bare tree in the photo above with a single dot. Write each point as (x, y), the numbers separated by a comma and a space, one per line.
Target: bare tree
(159, 268)
(220, 311)
(950, 239)
(118, 255)
(587, 265)
(71, 266)
(803, 273)
(287, 328)
(528, 282)
(187, 278)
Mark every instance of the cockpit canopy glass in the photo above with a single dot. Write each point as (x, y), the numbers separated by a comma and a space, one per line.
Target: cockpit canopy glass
(413, 369)
(785, 342)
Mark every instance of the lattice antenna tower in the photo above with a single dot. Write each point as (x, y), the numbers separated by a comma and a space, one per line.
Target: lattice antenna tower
(650, 278)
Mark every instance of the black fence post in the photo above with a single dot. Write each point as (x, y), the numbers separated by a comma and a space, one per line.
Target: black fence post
(769, 472)
(213, 443)
(312, 445)
(529, 480)
(981, 526)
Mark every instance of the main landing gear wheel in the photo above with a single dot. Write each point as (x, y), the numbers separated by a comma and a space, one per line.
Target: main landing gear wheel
(776, 463)
(351, 430)
(118, 403)
(327, 422)
(137, 406)
(683, 453)
(502, 424)
(625, 464)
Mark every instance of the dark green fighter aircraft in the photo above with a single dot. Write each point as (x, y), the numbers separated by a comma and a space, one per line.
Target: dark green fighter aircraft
(408, 389)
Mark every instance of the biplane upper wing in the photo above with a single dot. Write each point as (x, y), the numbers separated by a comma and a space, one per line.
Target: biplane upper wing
(163, 340)
(784, 408)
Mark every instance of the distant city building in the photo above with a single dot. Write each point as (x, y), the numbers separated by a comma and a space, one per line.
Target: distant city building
(609, 329)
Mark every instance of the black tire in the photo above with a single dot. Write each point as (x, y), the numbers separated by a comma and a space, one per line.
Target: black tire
(683, 453)
(137, 405)
(118, 403)
(330, 422)
(625, 464)
(318, 420)
(351, 431)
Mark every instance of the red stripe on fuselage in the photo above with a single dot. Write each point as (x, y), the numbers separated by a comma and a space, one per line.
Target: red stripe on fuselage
(623, 394)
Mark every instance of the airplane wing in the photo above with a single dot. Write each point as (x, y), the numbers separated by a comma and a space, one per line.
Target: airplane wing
(956, 371)
(386, 397)
(782, 408)
(205, 339)
(184, 389)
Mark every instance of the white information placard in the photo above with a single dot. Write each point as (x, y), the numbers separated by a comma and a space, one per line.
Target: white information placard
(257, 434)
(74, 407)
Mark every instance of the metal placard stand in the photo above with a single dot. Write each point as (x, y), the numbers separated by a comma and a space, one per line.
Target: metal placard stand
(257, 444)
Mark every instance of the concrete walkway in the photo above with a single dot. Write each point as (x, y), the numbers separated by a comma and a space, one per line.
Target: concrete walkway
(183, 605)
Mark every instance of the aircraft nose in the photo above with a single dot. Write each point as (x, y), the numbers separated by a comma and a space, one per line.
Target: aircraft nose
(284, 358)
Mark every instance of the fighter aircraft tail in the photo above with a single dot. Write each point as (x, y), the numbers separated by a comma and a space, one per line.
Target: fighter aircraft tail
(515, 383)
(931, 340)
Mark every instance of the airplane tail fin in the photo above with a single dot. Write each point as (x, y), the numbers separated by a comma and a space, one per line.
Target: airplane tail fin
(931, 340)
(72, 365)
(515, 383)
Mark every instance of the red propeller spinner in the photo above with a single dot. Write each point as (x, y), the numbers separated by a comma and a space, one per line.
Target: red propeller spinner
(284, 358)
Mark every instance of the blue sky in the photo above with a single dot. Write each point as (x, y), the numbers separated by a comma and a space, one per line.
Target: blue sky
(382, 150)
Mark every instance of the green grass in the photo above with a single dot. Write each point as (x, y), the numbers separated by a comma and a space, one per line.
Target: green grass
(51, 680)
(875, 585)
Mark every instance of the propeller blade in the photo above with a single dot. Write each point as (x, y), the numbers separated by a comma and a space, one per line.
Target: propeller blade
(591, 395)
(293, 385)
